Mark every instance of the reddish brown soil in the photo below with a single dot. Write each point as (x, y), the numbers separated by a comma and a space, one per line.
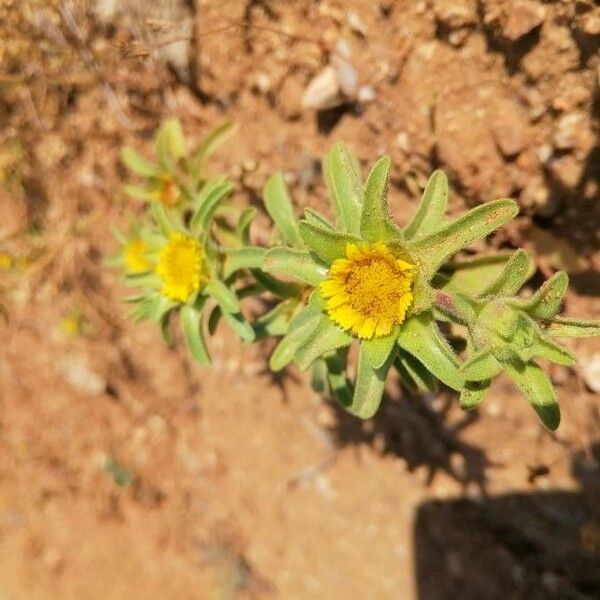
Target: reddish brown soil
(237, 484)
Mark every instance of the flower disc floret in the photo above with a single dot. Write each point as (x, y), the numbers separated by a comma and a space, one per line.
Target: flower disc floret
(180, 267)
(369, 291)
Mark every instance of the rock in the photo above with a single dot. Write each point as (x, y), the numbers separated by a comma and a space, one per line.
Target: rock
(346, 74)
(567, 171)
(323, 90)
(356, 23)
(571, 131)
(454, 14)
(403, 142)
(79, 375)
(508, 137)
(522, 18)
(590, 24)
(591, 372)
(366, 94)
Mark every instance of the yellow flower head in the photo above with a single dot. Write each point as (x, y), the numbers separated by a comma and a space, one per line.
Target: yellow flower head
(180, 267)
(135, 257)
(369, 291)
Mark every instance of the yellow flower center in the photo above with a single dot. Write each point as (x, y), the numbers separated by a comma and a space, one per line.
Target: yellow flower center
(180, 267)
(135, 256)
(369, 291)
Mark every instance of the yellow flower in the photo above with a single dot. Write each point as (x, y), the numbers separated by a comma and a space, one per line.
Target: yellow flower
(180, 267)
(135, 258)
(6, 261)
(369, 291)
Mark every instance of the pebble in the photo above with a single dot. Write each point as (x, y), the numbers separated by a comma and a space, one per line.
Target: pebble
(523, 18)
(366, 94)
(454, 14)
(79, 375)
(569, 131)
(591, 372)
(323, 90)
(508, 137)
(356, 23)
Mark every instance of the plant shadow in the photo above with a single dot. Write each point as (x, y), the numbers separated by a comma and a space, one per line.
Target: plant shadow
(520, 545)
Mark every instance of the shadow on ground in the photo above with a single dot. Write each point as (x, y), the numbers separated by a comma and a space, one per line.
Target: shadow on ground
(542, 545)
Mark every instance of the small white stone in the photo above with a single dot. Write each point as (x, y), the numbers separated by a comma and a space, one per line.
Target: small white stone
(366, 94)
(80, 376)
(356, 23)
(323, 90)
(591, 372)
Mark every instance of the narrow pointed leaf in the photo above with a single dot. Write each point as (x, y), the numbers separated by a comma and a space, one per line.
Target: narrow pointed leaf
(324, 338)
(544, 347)
(538, 390)
(140, 193)
(481, 366)
(473, 394)
(191, 324)
(217, 137)
(431, 209)
(213, 193)
(343, 179)
(282, 289)
(134, 161)
(327, 245)
(546, 302)
(375, 222)
(573, 327)
(434, 249)
(279, 206)
(295, 263)
(421, 337)
(318, 376)
(240, 326)
(277, 320)
(170, 143)
(338, 381)
(301, 328)
(225, 297)
(413, 374)
(242, 228)
(519, 268)
(369, 386)
(316, 218)
(162, 218)
(249, 257)
(378, 349)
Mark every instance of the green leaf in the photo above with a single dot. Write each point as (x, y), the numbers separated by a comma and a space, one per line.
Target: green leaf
(375, 222)
(413, 374)
(211, 143)
(165, 329)
(343, 180)
(140, 193)
(318, 376)
(378, 349)
(162, 218)
(369, 386)
(191, 323)
(316, 218)
(573, 327)
(279, 206)
(324, 338)
(538, 390)
(225, 297)
(473, 394)
(249, 257)
(431, 209)
(481, 366)
(459, 307)
(434, 249)
(212, 194)
(326, 244)
(338, 382)
(546, 302)
(295, 263)
(277, 320)
(133, 161)
(242, 228)
(519, 268)
(240, 326)
(300, 329)
(544, 347)
(282, 289)
(170, 143)
(419, 335)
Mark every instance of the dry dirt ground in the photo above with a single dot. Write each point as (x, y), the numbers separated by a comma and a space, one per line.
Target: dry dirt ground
(126, 471)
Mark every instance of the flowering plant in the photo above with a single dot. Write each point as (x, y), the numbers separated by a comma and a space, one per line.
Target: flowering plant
(360, 281)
